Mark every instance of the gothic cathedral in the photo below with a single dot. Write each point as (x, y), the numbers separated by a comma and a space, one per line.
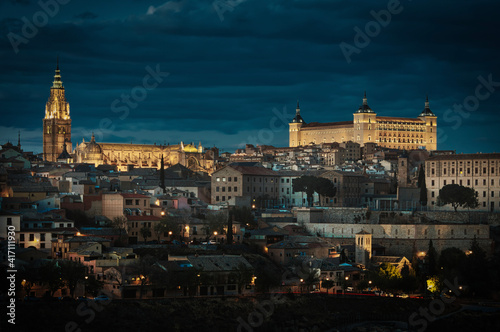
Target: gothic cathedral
(57, 123)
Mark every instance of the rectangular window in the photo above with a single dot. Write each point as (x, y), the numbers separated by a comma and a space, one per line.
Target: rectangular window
(216, 198)
(217, 179)
(21, 237)
(9, 221)
(229, 179)
(235, 189)
(32, 237)
(432, 183)
(217, 189)
(235, 179)
(229, 189)
(223, 189)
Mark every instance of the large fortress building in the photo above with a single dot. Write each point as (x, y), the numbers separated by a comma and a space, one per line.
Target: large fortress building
(57, 143)
(366, 127)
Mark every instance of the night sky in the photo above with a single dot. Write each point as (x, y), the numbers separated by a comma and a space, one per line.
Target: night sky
(231, 71)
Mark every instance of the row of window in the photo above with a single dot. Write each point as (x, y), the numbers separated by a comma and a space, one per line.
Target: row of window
(137, 202)
(218, 179)
(461, 182)
(452, 232)
(31, 237)
(223, 189)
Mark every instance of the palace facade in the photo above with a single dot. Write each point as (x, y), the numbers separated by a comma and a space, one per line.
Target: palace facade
(367, 127)
(57, 143)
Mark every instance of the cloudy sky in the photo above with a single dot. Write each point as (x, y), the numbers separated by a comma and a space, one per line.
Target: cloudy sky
(229, 72)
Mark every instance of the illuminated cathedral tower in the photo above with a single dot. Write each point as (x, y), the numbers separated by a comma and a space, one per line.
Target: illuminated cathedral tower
(57, 123)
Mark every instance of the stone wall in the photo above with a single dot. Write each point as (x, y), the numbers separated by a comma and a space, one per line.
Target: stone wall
(366, 216)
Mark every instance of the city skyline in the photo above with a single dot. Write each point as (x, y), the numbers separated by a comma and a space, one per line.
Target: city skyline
(231, 72)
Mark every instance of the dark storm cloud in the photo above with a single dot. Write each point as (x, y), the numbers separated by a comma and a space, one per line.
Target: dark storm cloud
(86, 16)
(226, 77)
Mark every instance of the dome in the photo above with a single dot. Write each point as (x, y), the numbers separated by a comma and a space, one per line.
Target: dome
(190, 148)
(93, 148)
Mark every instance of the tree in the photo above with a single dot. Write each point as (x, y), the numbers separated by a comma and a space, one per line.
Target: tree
(422, 185)
(452, 261)
(431, 259)
(216, 222)
(476, 261)
(170, 225)
(143, 268)
(324, 187)
(51, 276)
(387, 277)
(244, 216)
(72, 273)
(305, 184)
(145, 232)
(457, 196)
(120, 223)
(312, 184)
(242, 276)
(159, 228)
(93, 286)
(327, 284)
(434, 285)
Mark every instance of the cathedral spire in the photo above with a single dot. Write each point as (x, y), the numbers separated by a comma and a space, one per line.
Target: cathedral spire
(57, 84)
(19, 139)
(365, 100)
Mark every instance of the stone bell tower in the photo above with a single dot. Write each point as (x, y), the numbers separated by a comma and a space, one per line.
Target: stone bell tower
(57, 123)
